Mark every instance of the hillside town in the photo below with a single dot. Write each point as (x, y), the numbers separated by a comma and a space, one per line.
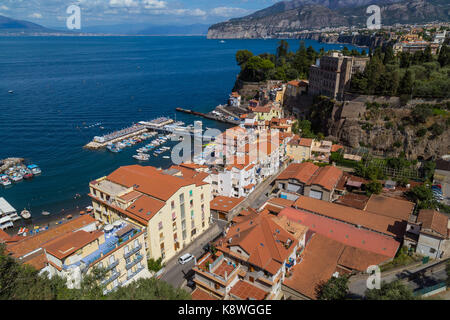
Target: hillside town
(285, 213)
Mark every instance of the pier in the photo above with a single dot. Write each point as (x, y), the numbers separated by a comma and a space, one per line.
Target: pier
(211, 116)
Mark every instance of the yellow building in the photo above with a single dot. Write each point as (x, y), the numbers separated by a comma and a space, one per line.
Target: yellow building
(267, 113)
(299, 149)
(172, 205)
(118, 249)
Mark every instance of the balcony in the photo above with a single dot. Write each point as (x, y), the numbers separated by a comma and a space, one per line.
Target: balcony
(134, 262)
(113, 277)
(132, 251)
(135, 273)
(112, 265)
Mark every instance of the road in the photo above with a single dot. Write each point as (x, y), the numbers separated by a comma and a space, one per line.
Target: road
(416, 277)
(175, 273)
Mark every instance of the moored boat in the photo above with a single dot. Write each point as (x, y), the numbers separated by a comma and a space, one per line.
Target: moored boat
(25, 214)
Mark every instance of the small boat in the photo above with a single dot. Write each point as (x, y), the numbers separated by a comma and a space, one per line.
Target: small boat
(10, 91)
(141, 157)
(166, 157)
(82, 213)
(25, 214)
(89, 209)
(69, 217)
(28, 176)
(222, 41)
(45, 213)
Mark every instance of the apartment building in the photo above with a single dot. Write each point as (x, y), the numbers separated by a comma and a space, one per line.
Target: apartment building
(310, 180)
(296, 88)
(331, 74)
(252, 259)
(299, 149)
(171, 205)
(118, 249)
(234, 100)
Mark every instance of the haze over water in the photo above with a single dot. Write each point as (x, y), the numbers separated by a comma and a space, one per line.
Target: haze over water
(62, 84)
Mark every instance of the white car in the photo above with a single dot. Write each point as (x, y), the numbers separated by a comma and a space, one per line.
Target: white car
(185, 258)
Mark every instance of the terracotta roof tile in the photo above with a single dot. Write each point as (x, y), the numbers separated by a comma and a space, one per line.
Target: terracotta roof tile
(433, 221)
(245, 291)
(69, 243)
(199, 294)
(390, 207)
(225, 204)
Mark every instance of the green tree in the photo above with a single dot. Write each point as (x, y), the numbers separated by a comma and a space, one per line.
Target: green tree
(283, 48)
(406, 84)
(395, 290)
(155, 265)
(242, 56)
(149, 289)
(333, 289)
(444, 56)
(373, 187)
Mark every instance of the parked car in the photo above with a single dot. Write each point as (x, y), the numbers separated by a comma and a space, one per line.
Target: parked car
(185, 258)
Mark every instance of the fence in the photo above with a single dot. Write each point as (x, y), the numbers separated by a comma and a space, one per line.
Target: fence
(427, 290)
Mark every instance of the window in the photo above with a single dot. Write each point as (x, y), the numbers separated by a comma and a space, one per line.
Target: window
(183, 224)
(126, 249)
(193, 232)
(136, 243)
(172, 205)
(190, 193)
(161, 236)
(202, 197)
(94, 192)
(203, 216)
(129, 273)
(184, 234)
(192, 224)
(203, 208)
(174, 226)
(191, 203)
(203, 224)
(432, 250)
(175, 236)
(182, 198)
(192, 214)
(160, 225)
(174, 216)
(128, 260)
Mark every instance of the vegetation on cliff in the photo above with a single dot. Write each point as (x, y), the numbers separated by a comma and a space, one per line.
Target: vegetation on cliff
(284, 65)
(407, 75)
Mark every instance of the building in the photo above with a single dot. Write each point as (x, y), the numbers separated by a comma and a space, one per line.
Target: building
(120, 249)
(309, 180)
(331, 75)
(296, 88)
(390, 207)
(252, 259)
(171, 205)
(416, 46)
(388, 226)
(234, 100)
(30, 250)
(268, 112)
(428, 234)
(8, 215)
(299, 149)
(225, 208)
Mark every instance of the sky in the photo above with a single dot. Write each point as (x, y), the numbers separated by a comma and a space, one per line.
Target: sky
(52, 13)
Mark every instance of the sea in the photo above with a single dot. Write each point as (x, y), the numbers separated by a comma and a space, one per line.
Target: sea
(64, 87)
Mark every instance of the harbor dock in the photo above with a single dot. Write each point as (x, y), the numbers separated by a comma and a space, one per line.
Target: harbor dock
(214, 115)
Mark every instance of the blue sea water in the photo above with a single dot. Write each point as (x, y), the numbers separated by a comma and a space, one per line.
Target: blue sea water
(63, 84)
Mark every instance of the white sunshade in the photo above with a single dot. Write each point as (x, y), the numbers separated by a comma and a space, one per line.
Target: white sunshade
(118, 223)
(108, 228)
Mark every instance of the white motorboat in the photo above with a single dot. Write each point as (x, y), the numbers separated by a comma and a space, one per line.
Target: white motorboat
(141, 156)
(45, 213)
(25, 214)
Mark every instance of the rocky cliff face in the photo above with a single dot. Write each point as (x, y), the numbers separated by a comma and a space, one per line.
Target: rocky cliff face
(384, 133)
(286, 19)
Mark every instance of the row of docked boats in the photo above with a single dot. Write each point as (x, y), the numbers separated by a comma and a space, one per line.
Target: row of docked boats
(142, 153)
(119, 146)
(18, 173)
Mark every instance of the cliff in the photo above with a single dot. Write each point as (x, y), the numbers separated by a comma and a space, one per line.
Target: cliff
(287, 19)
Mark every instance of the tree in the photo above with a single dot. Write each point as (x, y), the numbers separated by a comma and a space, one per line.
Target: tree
(149, 289)
(373, 187)
(427, 55)
(423, 196)
(395, 290)
(406, 84)
(282, 49)
(155, 265)
(444, 56)
(242, 56)
(333, 289)
(389, 56)
(346, 52)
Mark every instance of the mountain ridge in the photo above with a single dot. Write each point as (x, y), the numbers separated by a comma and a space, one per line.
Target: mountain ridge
(287, 17)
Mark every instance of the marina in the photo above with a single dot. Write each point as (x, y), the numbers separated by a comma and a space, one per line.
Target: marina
(14, 171)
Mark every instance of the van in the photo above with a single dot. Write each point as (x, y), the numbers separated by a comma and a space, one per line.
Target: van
(185, 258)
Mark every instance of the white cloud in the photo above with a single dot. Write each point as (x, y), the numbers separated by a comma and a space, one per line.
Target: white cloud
(154, 4)
(227, 11)
(3, 7)
(123, 3)
(35, 15)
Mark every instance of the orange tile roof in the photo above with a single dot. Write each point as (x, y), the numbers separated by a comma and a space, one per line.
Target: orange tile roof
(359, 259)
(64, 246)
(353, 200)
(199, 294)
(150, 180)
(326, 177)
(390, 207)
(336, 147)
(305, 142)
(245, 291)
(130, 195)
(262, 239)
(146, 207)
(262, 109)
(35, 242)
(434, 222)
(371, 221)
(319, 262)
(37, 260)
(299, 171)
(249, 187)
(280, 202)
(344, 233)
(225, 204)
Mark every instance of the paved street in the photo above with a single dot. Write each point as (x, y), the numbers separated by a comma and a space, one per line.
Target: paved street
(417, 276)
(175, 273)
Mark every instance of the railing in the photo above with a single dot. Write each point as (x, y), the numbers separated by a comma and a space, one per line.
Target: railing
(135, 273)
(132, 251)
(132, 263)
(113, 277)
(112, 265)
